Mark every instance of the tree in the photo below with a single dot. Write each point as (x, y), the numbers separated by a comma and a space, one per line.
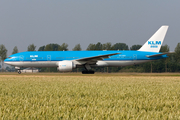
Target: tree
(63, 47)
(31, 47)
(15, 50)
(164, 48)
(135, 47)
(77, 48)
(120, 46)
(55, 47)
(41, 48)
(98, 46)
(3, 54)
(48, 47)
(107, 46)
(8, 68)
(91, 47)
(177, 53)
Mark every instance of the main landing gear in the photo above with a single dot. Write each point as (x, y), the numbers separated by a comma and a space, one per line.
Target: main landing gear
(88, 70)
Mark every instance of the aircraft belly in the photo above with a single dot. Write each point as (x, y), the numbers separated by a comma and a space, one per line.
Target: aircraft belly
(34, 64)
(120, 63)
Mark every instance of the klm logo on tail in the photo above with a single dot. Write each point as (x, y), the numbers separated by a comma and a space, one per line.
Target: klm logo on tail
(154, 44)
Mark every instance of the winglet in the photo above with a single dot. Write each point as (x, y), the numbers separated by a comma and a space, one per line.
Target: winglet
(155, 42)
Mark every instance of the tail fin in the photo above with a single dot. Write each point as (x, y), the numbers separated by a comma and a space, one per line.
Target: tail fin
(155, 42)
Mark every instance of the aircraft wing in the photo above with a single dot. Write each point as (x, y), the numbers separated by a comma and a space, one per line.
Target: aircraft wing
(156, 55)
(94, 59)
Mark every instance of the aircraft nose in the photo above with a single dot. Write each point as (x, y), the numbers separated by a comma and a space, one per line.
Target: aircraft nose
(5, 60)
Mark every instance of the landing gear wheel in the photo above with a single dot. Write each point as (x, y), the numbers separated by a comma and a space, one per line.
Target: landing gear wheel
(87, 72)
(19, 71)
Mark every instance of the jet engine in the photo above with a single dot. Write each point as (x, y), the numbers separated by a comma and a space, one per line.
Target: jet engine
(65, 66)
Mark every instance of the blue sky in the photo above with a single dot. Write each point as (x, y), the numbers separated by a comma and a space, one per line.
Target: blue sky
(24, 22)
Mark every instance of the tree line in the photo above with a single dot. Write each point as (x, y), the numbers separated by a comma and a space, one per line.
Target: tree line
(170, 64)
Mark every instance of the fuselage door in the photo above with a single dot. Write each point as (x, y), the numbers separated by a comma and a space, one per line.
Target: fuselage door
(21, 58)
(134, 57)
(48, 57)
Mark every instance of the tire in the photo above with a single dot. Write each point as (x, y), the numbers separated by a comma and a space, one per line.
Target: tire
(87, 72)
(19, 71)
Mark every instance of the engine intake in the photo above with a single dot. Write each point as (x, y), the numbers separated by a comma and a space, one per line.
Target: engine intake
(65, 66)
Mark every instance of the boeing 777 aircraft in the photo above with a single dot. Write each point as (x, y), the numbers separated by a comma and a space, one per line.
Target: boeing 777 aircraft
(68, 60)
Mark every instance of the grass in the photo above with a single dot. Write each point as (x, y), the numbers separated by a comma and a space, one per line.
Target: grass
(101, 96)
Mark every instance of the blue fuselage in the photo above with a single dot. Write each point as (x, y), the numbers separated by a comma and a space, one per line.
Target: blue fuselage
(50, 58)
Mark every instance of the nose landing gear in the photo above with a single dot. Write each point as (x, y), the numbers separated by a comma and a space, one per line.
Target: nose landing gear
(19, 71)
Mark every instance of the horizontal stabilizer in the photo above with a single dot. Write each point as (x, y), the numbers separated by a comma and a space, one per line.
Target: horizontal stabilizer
(156, 55)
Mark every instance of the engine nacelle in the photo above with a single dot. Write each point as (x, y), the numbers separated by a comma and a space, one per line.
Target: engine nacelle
(65, 66)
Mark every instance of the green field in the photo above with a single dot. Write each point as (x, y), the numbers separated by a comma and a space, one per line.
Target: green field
(99, 96)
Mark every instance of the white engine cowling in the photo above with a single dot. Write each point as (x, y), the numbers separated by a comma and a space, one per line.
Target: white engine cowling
(65, 66)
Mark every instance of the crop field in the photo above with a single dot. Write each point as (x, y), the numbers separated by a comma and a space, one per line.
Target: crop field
(98, 96)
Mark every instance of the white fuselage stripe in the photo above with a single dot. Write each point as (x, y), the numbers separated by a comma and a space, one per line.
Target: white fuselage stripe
(55, 63)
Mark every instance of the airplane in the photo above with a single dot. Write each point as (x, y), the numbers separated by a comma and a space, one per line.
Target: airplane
(66, 61)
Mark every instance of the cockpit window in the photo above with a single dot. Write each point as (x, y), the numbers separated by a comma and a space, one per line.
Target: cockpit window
(9, 57)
